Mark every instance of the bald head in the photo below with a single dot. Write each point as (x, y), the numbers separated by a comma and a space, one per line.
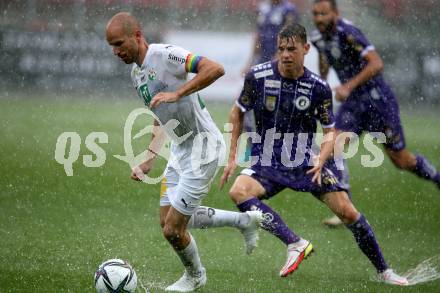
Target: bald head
(124, 35)
(125, 21)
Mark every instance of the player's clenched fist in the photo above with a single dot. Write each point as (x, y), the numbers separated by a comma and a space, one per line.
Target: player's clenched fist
(138, 172)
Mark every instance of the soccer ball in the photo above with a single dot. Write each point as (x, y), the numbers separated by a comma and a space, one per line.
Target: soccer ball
(115, 276)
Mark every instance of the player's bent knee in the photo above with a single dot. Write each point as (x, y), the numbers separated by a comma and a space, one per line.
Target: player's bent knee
(403, 160)
(172, 234)
(346, 212)
(399, 163)
(238, 194)
(349, 215)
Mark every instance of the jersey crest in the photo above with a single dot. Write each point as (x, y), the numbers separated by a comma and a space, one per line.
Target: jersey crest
(152, 74)
(302, 103)
(270, 103)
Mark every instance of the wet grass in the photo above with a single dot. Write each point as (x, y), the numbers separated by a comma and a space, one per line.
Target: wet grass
(55, 230)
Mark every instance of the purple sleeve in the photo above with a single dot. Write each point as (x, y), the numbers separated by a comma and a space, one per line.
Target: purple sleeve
(246, 100)
(325, 107)
(356, 39)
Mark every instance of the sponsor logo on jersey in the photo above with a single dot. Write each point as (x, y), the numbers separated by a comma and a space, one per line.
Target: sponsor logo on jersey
(147, 93)
(303, 91)
(272, 83)
(272, 92)
(305, 84)
(302, 103)
(144, 93)
(271, 102)
(264, 73)
(262, 66)
(288, 87)
(176, 58)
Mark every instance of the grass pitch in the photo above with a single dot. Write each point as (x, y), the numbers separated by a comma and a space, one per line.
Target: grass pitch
(55, 230)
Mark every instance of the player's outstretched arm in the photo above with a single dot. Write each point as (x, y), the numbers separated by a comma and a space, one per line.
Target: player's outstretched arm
(208, 71)
(236, 119)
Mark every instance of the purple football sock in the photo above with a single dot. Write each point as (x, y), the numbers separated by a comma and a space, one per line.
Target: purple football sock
(426, 170)
(272, 221)
(367, 242)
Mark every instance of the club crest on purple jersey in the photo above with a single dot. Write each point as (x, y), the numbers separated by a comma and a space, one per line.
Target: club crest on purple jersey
(302, 103)
(271, 102)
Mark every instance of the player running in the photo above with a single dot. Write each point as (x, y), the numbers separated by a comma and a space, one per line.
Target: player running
(368, 102)
(288, 100)
(159, 75)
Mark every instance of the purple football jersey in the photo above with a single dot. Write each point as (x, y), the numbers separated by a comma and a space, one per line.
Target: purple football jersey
(286, 112)
(370, 107)
(344, 51)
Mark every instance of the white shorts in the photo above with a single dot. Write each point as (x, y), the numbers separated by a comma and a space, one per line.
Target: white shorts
(184, 189)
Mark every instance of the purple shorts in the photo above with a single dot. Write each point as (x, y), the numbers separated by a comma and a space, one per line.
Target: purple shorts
(275, 180)
(358, 115)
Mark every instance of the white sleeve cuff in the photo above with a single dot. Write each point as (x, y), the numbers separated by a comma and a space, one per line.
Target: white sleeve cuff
(243, 109)
(329, 126)
(367, 49)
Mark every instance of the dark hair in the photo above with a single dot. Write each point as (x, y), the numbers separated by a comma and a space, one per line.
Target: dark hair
(295, 31)
(333, 3)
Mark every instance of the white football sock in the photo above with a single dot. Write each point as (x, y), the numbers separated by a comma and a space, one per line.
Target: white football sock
(206, 217)
(190, 258)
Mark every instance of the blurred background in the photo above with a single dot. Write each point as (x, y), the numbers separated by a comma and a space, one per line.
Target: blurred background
(58, 47)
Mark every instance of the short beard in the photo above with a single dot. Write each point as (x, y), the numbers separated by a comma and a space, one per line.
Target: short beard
(330, 28)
